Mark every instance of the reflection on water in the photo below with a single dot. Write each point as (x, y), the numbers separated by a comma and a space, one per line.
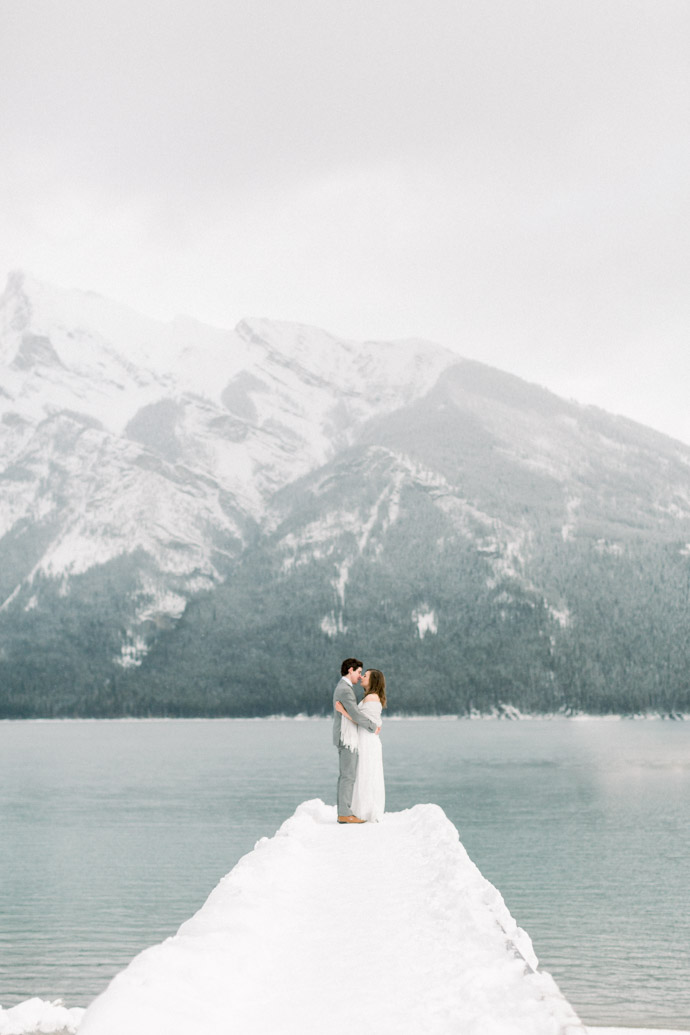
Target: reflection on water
(113, 833)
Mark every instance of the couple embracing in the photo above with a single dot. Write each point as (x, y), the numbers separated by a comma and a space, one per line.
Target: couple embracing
(356, 728)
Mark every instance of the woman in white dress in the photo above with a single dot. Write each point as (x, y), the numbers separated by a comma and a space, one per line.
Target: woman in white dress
(369, 795)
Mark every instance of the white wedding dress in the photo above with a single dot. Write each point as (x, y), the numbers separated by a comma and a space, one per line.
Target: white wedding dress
(369, 796)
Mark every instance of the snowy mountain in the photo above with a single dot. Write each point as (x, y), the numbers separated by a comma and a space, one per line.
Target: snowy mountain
(274, 492)
(122, 435)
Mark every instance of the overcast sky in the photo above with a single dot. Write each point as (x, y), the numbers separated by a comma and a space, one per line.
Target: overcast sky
(508, 178)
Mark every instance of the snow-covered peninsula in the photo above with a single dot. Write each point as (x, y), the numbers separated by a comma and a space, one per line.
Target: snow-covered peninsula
(384, 928)
(388, 928)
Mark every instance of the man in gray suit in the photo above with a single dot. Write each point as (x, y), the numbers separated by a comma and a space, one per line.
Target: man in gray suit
(351, 673)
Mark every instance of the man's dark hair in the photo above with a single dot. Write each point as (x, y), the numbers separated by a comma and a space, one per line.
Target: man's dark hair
(348, 664)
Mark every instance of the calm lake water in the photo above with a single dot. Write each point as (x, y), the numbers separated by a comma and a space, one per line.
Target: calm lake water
(113, 833)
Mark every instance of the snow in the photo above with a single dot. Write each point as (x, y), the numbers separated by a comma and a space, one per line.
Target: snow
(384, 929)
(52, 1018)
(316, 539)
(603, 546)
(282, 943)
(332, 625)
(158, 433)
(37, 1015)
(562, 616)
(426, 621)
(379, 373)
(134, 650)
(106, 341)
(572, 506)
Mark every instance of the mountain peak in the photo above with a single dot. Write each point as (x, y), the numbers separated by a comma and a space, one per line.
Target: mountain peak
(15, 282)
(15, 304)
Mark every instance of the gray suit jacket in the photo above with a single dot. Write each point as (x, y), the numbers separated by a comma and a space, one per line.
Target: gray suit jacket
(346, 695)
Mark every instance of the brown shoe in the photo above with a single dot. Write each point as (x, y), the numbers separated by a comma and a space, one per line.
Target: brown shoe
(350, 819)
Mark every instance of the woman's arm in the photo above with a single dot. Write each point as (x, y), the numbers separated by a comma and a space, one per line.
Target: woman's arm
(347, 698)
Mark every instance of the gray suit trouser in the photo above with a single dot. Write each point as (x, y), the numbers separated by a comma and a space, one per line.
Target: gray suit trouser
(346, 779)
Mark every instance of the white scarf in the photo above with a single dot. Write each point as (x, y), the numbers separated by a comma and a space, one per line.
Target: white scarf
(348, 733)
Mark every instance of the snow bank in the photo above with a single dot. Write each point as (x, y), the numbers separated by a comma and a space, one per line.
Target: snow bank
(37, 1015)
(385, 928)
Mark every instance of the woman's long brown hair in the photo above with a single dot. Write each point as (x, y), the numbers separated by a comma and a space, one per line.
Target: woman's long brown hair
(377, 685)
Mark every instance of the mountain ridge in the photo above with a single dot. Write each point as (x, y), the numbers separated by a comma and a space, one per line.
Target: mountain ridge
(291, 484)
